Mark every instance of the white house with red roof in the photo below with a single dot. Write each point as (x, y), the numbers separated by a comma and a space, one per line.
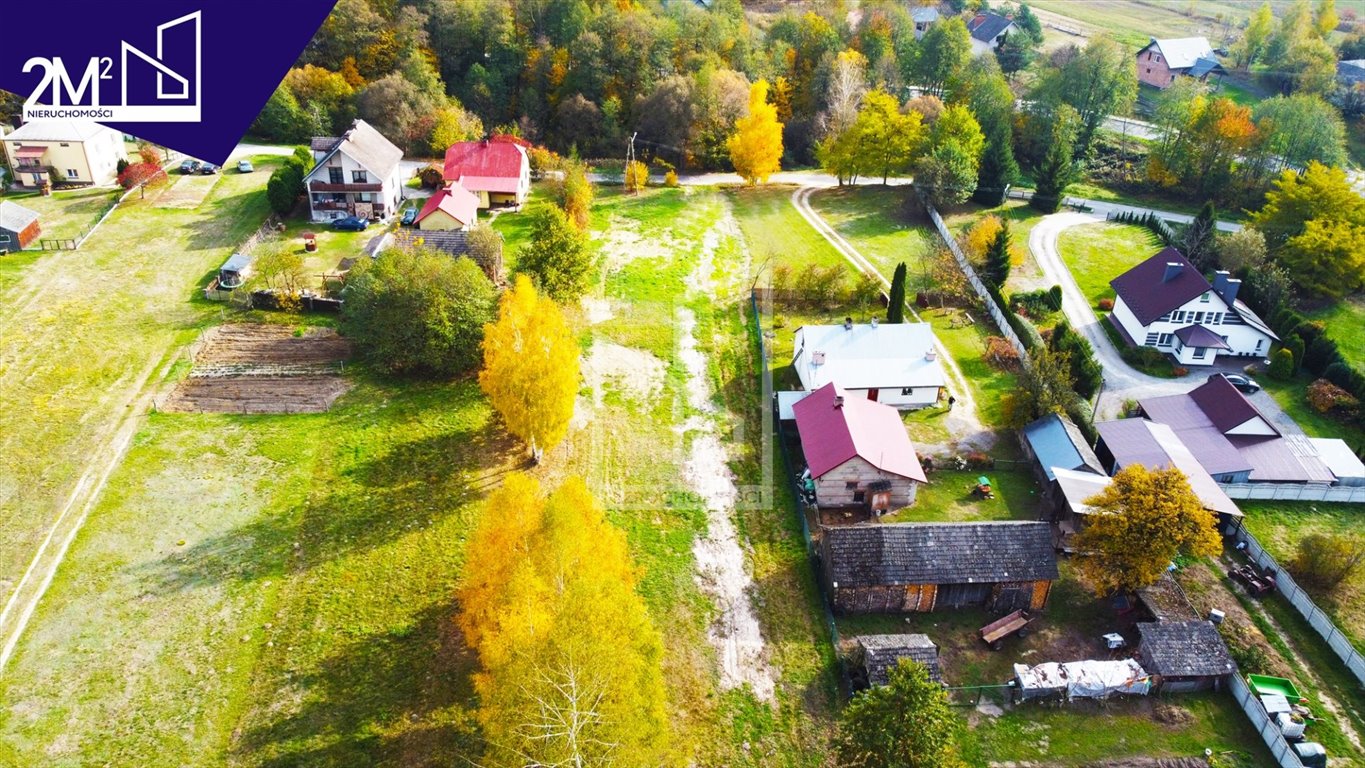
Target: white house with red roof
(497, 170)
(857, 451)
(1165, 303)
(453, 207)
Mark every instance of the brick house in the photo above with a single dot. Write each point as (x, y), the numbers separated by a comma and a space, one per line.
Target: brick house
(1161, 61)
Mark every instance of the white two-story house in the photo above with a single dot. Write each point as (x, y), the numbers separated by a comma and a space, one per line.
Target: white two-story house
(1165, 303)
(356, 174)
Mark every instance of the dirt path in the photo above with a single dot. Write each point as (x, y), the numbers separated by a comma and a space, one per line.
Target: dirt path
(721, 571)
(962, 422)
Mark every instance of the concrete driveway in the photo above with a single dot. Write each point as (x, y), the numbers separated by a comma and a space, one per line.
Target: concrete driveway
(1121, 381)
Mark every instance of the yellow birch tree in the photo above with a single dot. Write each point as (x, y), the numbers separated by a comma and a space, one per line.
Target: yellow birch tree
(569, 659)
(1141, 522)
(756, 145)
(531, 367)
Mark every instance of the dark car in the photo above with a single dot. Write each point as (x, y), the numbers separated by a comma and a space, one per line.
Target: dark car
(351, 224)
(409, 216)
(208, 169)
(1243, 383)
(190, 166)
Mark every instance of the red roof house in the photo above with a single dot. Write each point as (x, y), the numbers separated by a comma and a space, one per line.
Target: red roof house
(857, 451)
(499, 172)
(454, 207)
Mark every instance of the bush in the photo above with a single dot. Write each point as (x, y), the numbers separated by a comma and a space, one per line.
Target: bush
(557, 258)
(1346, 377)
(823, 287)
(432, 176)
(1282, 365)
(418, 311)
(1054, 298)
(1026, 331)
(671, 179)
(1142, 357)
(1001, 354)
(1106, 305)
(978, 460)
(1294, 344)
(120, 166)
(1086, 372)
(283, 189)
(1250, 657)
(1039, 302)
(1320, 355)
(1325, 397)
(1327, 560)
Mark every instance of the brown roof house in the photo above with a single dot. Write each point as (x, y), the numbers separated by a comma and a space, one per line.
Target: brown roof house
(875, 655)
(1160, 62)
(18, 226)
(356, 174)
(1184, 656)
(857, 451)
(914, 567)
(1165, 303)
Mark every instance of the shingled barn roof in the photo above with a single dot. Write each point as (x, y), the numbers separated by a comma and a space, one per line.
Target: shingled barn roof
(881, 652)
(939, 553)
(1183, 649)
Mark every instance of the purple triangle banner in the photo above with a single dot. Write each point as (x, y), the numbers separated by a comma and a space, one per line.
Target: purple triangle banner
(187, 74)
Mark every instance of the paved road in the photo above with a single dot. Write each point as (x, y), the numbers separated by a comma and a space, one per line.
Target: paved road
(1121, 381)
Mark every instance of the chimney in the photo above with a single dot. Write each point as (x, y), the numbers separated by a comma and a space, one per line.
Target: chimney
(848, 323)
(931, 354)
(1172, 271)
(1226, 286)
(838, 401)
(874, 322)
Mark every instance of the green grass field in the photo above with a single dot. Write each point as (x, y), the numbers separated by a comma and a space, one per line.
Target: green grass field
(774, 231)
(66, 214)
(1344, 320)
(1098, 253)
(873, 219)
(948, 498)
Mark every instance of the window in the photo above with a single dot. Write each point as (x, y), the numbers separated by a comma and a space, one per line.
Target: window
(363, 197)
(859, 497)
(64, 144)
(1198, 318)
(907, 391)
(1177, 317)
(334, 176)
(851, 485)
(359, 177)
(1164, 340)
(4, 238)
(1199, 353)
(1260, 343)
(1214, 317)
(71, 173)
(1224, 338)
(1151, 340)
(1166, 318)
(1149, 70)
(338, 197)
(1204, 299)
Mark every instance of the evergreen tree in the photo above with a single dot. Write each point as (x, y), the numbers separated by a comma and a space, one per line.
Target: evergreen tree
(998, 168)
(1058, 170)
(907, 723)
(997, 269)
(895, 309)
(1199, 238)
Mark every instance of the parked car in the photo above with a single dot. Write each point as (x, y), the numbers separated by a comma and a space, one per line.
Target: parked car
(208, 169)
(351, 224)
(245, 166)
(1243, 383)
(190, 166)
(409, 217)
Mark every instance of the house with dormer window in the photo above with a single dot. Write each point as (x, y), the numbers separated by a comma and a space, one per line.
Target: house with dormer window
(1165, 303)
(356, 174)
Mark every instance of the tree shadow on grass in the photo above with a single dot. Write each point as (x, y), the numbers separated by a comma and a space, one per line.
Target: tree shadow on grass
(413, 484)
(401, 698)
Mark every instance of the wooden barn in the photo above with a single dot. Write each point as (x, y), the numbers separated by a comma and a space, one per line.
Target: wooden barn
(18, 226)
(1184, 656)
(857, 451)
(916, 567)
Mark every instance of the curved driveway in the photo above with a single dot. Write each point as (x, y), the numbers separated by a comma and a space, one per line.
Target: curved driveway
(1121, 381)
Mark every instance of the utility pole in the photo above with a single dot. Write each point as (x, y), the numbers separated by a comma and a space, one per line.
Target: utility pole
(630, 158)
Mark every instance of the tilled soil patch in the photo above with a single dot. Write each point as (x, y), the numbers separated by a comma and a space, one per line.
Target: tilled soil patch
(263, 369)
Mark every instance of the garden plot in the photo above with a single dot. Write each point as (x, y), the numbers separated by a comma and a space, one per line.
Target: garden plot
(188, 191)
(263, 369)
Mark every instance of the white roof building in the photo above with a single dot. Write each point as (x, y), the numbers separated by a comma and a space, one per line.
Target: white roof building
(896, 364)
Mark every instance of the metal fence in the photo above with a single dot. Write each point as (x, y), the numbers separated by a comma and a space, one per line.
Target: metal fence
(997, 314)
(1320, 621)
(1284, 755)
(1293, 492)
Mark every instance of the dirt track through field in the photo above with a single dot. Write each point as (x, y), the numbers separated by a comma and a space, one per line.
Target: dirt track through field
(263, 369)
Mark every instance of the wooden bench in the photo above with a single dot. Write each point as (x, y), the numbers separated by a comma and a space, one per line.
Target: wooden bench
(995, 632)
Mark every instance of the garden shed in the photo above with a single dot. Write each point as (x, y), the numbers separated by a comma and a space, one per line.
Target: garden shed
(1054, 443)
(18, 226)
(1184, 656)
(876, 654)
(917, 567)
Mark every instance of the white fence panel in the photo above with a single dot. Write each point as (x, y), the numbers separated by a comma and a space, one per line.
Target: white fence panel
(1294, 492)
(1006, 330)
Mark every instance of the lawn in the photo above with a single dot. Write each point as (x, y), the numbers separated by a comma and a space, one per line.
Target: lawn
(1281, 525)
(1098, 253)
(949, 498)
(873, 219)
(284, 598)
(332, 247)
(96, 323)
(66, 214)
(1344, 320)
(1025, 275)
(775, 233)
